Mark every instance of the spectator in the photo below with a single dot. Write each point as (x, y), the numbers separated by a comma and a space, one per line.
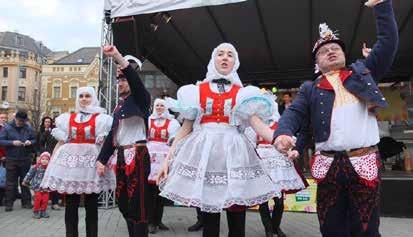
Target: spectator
(33, 180)
(46, 142)
(287, 99)
(3, 120)
(17, 137)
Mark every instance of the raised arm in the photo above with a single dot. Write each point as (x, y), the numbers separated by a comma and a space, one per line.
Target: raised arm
(384, 50)
(138, 90)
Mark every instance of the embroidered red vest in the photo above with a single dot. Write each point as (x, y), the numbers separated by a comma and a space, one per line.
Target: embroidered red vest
(82, 132)
(216, 106)
(261, 141)
(159, 134)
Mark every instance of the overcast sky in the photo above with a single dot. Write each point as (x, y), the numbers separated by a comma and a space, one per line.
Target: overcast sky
(60, 24)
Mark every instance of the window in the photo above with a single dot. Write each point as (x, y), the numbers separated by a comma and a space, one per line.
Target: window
(4, 93)
(21, 95)
(5, 72)
(149, 81)
(73, 90)
(36, 97)
(36, 76)
(19, 41)
(161, 82)
(56, 92)
(22, 72)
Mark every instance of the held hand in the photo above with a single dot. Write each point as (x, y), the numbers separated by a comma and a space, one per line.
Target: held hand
(365, 51)
(372, 3)
(27, 143)
(100, 168)
(293, 154)
(17, 143)
(163, 174)
(284, 143)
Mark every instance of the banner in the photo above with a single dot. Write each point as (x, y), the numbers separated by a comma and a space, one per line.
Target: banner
(303, 201)
(120, 8)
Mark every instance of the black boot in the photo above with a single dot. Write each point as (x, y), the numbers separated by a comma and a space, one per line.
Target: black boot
(162, 226)
(130, 228)
(266, 219)
(236, 223)
(141, 230)
(152, 228)
(279, 232)
(195, 227)
(277, 215)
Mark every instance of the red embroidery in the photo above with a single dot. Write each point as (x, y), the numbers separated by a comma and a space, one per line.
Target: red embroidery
(217, 114)
(159, 134)
(319, 166)
(367, 169)
(82, 132)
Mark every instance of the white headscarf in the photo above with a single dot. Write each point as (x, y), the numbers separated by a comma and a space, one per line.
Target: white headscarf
(213, 72)
(94, 105)
(165, 114)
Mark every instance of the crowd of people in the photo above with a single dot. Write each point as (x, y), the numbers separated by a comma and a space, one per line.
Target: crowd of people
(232, 150)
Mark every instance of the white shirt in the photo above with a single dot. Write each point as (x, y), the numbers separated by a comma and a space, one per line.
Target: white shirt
(130, 130)
(352, 126)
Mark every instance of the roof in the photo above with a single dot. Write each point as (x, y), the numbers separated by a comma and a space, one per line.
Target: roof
(82, 56)
(21, 42)
(274, 38)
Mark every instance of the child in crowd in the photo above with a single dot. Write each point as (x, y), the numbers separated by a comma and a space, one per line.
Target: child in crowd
(33, 179)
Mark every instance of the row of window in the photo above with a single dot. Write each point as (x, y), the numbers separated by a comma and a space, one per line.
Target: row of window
(57, 90)
(21, 93)
(156, 81)
(62, 69)
(22, 72)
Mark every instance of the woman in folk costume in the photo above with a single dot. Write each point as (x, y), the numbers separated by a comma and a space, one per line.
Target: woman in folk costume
(283, 172)
(72, 170)
(162, 127)
(213, 166)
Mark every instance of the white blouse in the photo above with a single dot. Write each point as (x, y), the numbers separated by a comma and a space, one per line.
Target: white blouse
(102, 129)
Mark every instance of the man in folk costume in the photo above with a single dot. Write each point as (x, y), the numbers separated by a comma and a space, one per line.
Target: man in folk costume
(339, 105)
(162, 127)
(128, 136)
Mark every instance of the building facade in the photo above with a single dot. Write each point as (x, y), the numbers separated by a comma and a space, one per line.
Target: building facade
(61, 79)
(21, 59)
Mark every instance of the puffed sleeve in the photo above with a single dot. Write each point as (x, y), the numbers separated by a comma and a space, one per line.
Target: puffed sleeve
(103, 125)
(187, 104)
(250, 101)
(173, 128)
(61, 131)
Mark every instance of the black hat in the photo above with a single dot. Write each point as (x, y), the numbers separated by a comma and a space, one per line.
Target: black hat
(21, 115)
(326, 36)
